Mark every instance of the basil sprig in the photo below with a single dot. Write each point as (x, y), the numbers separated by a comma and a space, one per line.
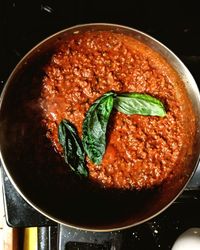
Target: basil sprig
(136, 103)
(95, 125)
(74, 153)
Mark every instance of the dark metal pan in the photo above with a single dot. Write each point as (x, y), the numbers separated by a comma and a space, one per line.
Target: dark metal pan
(36, 170)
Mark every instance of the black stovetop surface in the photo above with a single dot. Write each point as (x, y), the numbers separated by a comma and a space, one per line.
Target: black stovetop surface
(176, 25)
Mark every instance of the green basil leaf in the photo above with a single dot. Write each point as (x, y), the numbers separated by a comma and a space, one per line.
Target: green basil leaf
(74, 154)
(94, 127)
(136, 103)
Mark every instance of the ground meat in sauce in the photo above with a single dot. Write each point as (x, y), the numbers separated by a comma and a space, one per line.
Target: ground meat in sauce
(142, 151)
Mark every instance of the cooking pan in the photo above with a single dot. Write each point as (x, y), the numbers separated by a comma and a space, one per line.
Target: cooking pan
(38, 172)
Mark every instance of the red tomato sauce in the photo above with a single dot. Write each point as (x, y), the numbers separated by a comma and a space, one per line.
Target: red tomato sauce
(142, 151)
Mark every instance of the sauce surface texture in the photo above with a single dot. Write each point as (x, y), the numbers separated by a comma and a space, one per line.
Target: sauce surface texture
(142, 151)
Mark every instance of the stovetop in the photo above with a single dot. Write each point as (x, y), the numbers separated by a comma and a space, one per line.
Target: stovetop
(158, 233)
(24, 24)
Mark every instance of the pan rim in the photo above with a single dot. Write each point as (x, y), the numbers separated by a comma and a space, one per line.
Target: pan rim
(76, 27)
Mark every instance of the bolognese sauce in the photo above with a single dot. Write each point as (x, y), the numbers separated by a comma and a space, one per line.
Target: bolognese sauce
(141, 151)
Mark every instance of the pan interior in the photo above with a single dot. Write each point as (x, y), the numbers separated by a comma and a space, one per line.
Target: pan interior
(40, 174)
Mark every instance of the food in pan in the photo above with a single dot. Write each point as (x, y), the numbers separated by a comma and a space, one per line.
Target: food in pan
(107, 85)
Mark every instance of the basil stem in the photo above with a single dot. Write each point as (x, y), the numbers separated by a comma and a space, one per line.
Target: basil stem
(95, 125)
(74, 154)
(136, 103)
